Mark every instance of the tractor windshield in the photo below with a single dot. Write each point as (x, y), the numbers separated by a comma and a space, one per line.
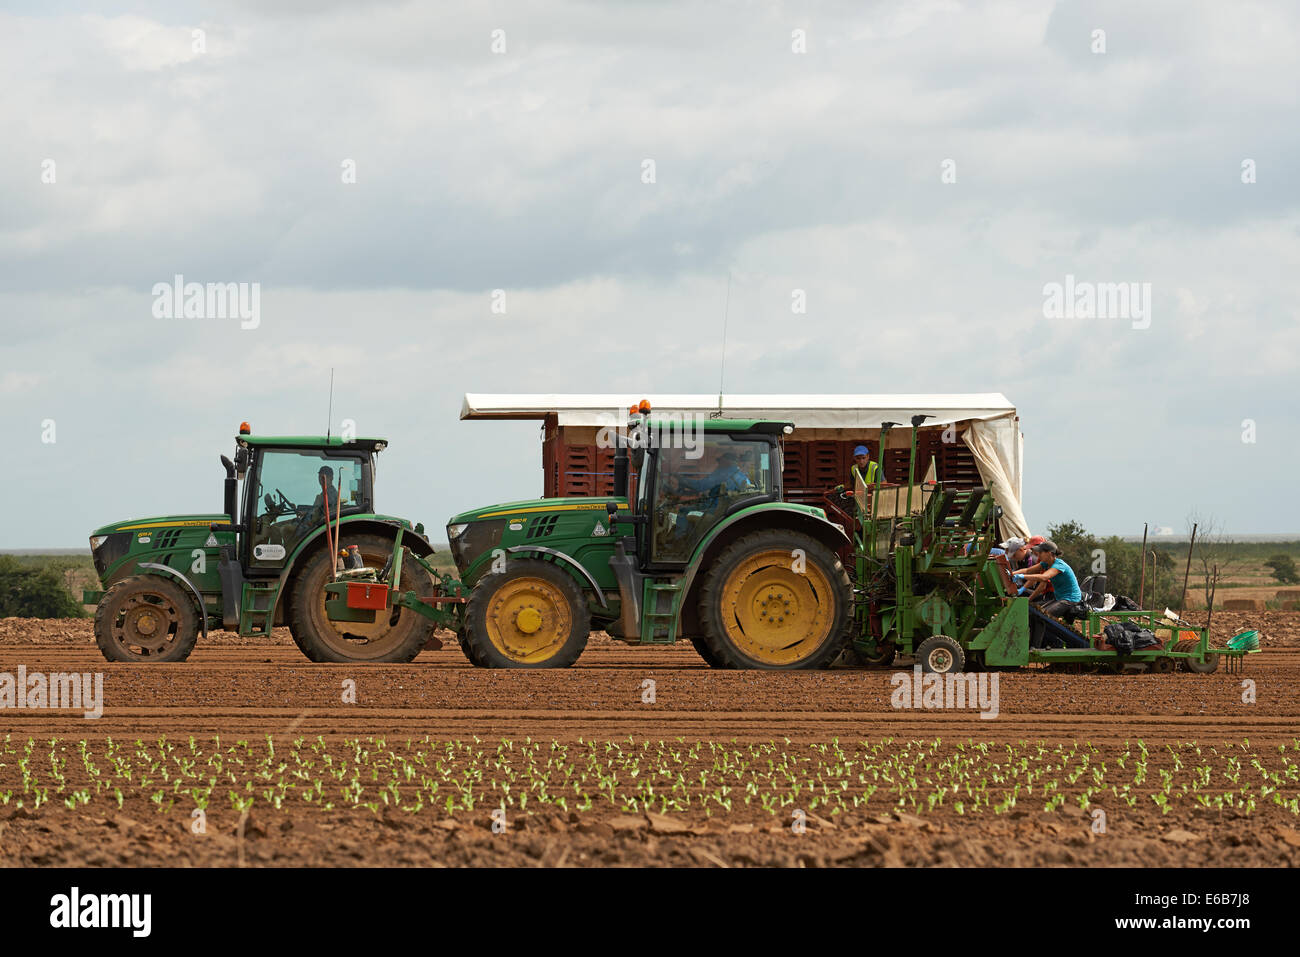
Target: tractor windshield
(694, 488)
(293, 487)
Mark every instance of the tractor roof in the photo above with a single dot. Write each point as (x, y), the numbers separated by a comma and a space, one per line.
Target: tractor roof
(312, 442)
(761, 426)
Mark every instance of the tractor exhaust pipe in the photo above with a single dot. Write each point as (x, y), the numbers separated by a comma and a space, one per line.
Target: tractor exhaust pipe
(620, 468)
(228, 503)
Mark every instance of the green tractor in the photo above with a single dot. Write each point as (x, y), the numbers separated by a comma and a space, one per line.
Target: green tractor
(266, 560)
(706, 549)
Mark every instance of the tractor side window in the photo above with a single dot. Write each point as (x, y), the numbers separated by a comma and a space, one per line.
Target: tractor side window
(696, 488)
(293, 489)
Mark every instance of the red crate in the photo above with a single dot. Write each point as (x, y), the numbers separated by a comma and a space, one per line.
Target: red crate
(367, 595)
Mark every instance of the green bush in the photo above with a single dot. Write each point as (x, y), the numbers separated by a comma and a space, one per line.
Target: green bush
(1284, 569)
(27, 592)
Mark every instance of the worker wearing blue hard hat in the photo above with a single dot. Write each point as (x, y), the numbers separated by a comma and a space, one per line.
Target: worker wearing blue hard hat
(862, 468)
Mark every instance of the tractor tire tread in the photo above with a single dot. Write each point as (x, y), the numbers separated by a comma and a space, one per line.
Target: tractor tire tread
(299, 615)
(479, 648)
(714, 636)
(188, 635)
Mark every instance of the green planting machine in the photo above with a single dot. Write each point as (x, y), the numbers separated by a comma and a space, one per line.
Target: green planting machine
(927, 586)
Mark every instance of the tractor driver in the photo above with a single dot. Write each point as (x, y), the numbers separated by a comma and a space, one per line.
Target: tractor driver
(728, 476)
(328, 492)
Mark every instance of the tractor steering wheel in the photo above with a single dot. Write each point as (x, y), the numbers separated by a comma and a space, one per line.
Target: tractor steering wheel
(278, 508)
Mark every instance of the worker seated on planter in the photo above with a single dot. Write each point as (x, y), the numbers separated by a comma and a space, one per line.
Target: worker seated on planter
(1052, 570)
(1014, 556)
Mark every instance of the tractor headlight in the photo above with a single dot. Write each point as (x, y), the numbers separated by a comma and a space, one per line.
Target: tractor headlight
(105, 550)
(473, 539)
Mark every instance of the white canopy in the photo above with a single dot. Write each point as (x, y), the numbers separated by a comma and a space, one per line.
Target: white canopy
(805, 411)
(991, 431)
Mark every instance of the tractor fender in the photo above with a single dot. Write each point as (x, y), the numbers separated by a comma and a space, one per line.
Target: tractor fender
(563, 559)
(730, 529)
(168, 570)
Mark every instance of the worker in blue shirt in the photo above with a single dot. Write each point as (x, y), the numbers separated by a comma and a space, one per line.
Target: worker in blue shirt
(1050, 567)
(728, 477)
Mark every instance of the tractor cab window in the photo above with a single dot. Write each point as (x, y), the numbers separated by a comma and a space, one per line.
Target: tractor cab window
(291, 497)
(694, 488)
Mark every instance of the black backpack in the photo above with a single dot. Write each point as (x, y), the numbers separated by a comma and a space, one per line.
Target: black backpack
(1128, 637)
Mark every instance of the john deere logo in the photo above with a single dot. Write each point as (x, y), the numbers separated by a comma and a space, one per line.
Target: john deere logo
(268, 553)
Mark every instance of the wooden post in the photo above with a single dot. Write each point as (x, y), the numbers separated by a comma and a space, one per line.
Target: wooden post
(1142, 580)
(1182, 599)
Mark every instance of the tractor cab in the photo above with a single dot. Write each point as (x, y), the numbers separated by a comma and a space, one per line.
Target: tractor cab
(293, 485)
(693, 475)
(703, 548)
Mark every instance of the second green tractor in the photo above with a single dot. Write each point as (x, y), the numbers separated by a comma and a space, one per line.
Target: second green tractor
(704, 549)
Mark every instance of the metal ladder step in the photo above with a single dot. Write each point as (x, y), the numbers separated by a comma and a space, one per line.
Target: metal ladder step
(659, 619)
(257, 607)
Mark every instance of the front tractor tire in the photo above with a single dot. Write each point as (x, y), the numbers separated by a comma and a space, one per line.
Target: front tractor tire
(146, 618)
(396, 635)
(531, 615)
(775, 600)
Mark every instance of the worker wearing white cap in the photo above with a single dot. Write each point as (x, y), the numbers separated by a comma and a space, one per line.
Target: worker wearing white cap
(1017, 552)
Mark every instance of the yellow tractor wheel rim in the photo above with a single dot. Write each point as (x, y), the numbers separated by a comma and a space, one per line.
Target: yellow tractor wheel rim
(529, 620)
(777, 609)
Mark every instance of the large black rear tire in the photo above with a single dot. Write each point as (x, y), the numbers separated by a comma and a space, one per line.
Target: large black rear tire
(396, 636)
(775, 600)
(466, 649)
(702, 646)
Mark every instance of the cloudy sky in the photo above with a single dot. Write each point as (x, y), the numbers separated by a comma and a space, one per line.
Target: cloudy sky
(921, 170)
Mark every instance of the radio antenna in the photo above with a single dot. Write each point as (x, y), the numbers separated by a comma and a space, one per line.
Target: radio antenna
(329, 424)
(722, 365)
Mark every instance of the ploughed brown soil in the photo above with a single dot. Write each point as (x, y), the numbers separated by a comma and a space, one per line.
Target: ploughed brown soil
(719, 769)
